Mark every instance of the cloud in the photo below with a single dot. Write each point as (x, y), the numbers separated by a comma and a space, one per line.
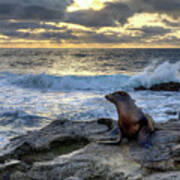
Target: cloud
(150, 31)
(115, 38)
(17, 34)
(108, 16)
(51, 36)
(8, 25)
(170, 40)
(57, 36)
(54, 33)
(171, 23)
(33, 10)
(50, 32)
(142, 35)
(89, 37)
(90, 18)
(119, 11)
(169, 7)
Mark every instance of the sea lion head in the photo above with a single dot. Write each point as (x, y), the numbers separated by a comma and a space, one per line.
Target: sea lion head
(118, 97)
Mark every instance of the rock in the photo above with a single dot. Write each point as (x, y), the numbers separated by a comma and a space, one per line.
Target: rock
(171, 112)
(8, 165)
(165, 176)
(172, 120)
(170, 86)
(67, 150)
(73, 178)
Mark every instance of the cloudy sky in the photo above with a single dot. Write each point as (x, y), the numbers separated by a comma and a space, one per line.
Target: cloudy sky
(90, 23)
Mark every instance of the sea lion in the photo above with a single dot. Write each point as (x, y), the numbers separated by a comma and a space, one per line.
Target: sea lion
(132, 122)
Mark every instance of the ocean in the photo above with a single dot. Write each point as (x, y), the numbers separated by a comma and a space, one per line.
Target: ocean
(38, 86)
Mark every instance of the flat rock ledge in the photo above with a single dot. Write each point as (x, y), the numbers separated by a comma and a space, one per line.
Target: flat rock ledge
(67, 150)
(169, 86)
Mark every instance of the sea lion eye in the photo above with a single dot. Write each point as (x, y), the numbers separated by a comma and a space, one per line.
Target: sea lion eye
(119, 93)
(122, 93)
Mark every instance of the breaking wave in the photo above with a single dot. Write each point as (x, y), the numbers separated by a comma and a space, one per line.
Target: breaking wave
(153, 74)
(51, 82)
(156, 74)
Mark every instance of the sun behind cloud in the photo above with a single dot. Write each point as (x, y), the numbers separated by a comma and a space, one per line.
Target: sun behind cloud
(87, 4)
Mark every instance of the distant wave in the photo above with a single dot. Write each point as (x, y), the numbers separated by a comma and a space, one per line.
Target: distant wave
(153, 74)
(58, 83)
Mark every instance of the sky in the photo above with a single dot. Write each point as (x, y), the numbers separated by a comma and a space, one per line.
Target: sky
(89, 23)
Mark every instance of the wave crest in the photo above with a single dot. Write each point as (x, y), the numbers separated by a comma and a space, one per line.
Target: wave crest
(156, 74)
(50, 82)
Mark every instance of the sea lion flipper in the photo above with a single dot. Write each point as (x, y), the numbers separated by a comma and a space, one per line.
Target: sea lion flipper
(117, 141)
(115, 131)
(151, 123)
(144, 137)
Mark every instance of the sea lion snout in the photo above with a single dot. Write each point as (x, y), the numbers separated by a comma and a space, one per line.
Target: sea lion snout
(109, 97)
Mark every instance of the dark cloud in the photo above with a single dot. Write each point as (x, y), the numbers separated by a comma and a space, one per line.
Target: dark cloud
(52, 32)
(90, 18)
(149, 31)
(11, 29)
(114, 38)
(52, 36)
(126, 39)
(171, 40)
(8, 25)
(169, 7)
(108, 16)
(102, 38)
(17, 34)
(33, 10)
(57, 36)
(170, 23)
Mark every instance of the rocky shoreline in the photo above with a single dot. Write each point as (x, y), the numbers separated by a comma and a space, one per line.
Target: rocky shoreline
(67, 150)
(169, 86)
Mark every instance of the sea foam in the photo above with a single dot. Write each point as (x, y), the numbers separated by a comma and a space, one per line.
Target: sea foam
(156, 74)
